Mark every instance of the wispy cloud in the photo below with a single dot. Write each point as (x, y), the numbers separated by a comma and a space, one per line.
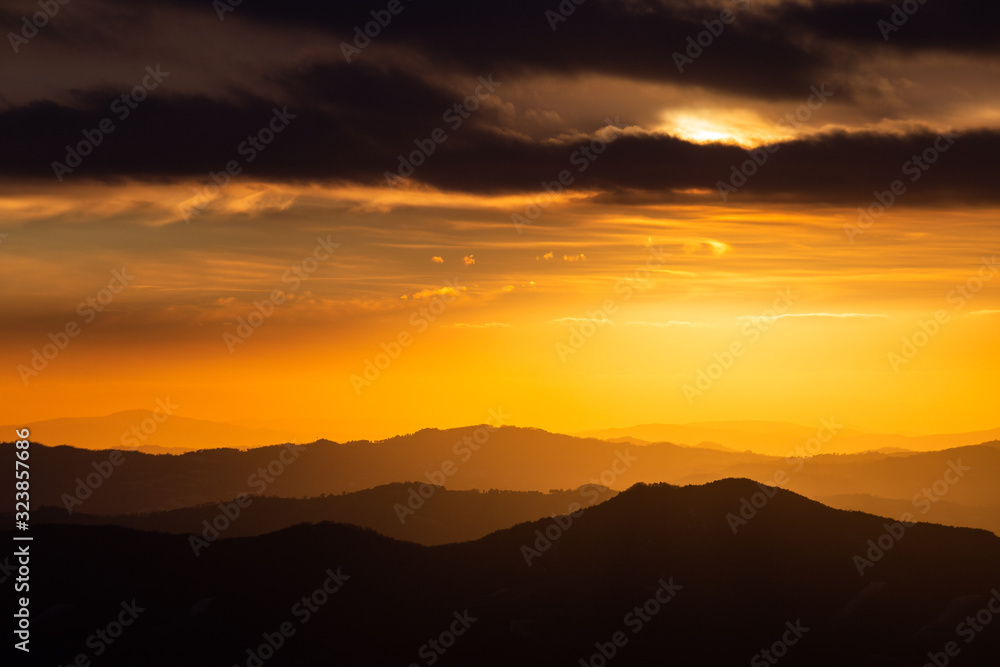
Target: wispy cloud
(839, 316)
(671, 323)
(484, 325)
(578, 320)
(985, 312)
(715, 247)
(429, 293)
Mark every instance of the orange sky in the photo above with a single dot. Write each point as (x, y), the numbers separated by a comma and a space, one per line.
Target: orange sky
(498, 329)
(644, 291)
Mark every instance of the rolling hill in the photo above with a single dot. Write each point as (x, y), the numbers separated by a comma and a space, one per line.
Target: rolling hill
(514, 459)
(655, 574)
(413, 511)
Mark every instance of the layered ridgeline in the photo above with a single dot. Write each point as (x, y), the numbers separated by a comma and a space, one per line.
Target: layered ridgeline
(781, 438)
(413, 511)
(655, 575)
(955, 486)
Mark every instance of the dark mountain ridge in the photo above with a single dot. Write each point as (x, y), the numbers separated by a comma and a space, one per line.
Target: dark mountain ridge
(657, 569)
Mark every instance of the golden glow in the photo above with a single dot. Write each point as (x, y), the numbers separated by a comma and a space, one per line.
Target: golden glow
(485, 321)
(740, 127)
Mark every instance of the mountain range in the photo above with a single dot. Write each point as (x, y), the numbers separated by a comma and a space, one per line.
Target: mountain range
(655, 573)
(955, 486)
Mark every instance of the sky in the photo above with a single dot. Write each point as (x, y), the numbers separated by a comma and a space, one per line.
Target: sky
(587, 215)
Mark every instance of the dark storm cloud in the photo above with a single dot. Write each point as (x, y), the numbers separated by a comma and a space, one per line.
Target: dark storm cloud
(963, 26)
(768, 50)
(751, 55)
(837, 168)
(351, 123)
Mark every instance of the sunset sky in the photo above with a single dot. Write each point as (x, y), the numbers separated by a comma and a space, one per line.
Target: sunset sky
(621, 300)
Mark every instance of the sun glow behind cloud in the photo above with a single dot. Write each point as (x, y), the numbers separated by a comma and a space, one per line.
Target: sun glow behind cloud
(737, 127)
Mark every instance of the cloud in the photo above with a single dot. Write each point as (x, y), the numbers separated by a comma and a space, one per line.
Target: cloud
(580, 320)
(574, 258)
(347, 128)
(715, 247)
(353, 120)
(484, 325)
(430, 293)
(984, 312)
(671, 323)
(437, 260)
(841, 316)
(469, 260)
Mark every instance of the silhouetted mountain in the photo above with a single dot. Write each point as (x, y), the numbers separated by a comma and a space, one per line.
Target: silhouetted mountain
(156, 431)
(779, 438)
(786, 582)
(519, 459)
(409, 511)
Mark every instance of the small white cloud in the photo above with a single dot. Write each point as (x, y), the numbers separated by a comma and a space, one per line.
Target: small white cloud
(579, 320)
(985, 312)
(574, 258)
(469, 260)
(437, 260)
(430, 293)
(715, 247)
(841, 316)
(671, 323)
(484, 325)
